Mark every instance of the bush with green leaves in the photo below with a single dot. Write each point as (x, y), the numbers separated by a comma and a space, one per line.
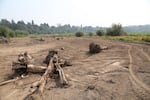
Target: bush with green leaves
(21, 33)
(99, 32)
(79, 34)
(115, 30)
(4, 31)
(12, 33)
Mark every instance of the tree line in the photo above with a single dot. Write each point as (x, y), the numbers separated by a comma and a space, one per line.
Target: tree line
(44, 28)
(20, 28)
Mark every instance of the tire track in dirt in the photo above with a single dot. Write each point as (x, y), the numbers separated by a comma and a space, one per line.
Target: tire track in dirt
(133, 76)
(146, 55)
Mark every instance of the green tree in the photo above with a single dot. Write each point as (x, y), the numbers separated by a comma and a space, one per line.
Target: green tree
(115, 30)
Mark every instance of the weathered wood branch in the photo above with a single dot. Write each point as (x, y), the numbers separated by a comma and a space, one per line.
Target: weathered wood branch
(12, 80)
(9, 81)
(41, 83)
(62, 76)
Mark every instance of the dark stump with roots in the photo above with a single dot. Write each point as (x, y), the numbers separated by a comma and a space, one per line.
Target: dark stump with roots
(50, 54)
(94, 48)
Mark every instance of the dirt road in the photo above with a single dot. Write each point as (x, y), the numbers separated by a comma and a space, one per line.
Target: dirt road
(120, 73)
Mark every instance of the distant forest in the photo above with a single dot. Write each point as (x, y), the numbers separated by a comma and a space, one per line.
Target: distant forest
(44, 28)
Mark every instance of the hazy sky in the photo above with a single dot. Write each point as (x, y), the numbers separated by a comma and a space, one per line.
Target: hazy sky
(77, 12)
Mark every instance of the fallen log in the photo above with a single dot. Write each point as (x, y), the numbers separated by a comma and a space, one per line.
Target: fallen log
(22, 68)
(35, 69)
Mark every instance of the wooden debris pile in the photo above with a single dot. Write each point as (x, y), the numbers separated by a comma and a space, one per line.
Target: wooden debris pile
(54, 64)
(26, 62)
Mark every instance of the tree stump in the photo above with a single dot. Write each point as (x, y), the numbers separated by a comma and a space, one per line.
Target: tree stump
(94, 48)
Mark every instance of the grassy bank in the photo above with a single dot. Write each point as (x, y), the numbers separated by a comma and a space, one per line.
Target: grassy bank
(131, 38)
(52, 35)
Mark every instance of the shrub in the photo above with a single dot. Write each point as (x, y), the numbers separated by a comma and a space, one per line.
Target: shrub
(4, 31)
(21, 33)
(90, 34)
(99, 32)
(12, 33)
(146, 39)
(79, 34)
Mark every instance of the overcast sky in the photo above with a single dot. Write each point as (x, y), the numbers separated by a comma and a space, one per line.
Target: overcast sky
(77, 12)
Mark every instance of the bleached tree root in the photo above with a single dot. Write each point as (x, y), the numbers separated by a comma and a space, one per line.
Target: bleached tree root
(12, 80)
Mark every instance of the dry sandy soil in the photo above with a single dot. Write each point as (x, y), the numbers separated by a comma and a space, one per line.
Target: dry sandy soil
(120, 73)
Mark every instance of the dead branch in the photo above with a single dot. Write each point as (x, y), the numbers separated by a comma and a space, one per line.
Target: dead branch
(41, 83)
(12, 80)
(9, 81)
(62, 76)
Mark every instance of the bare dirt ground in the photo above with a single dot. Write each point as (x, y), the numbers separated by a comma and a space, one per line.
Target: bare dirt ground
(120, 73)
